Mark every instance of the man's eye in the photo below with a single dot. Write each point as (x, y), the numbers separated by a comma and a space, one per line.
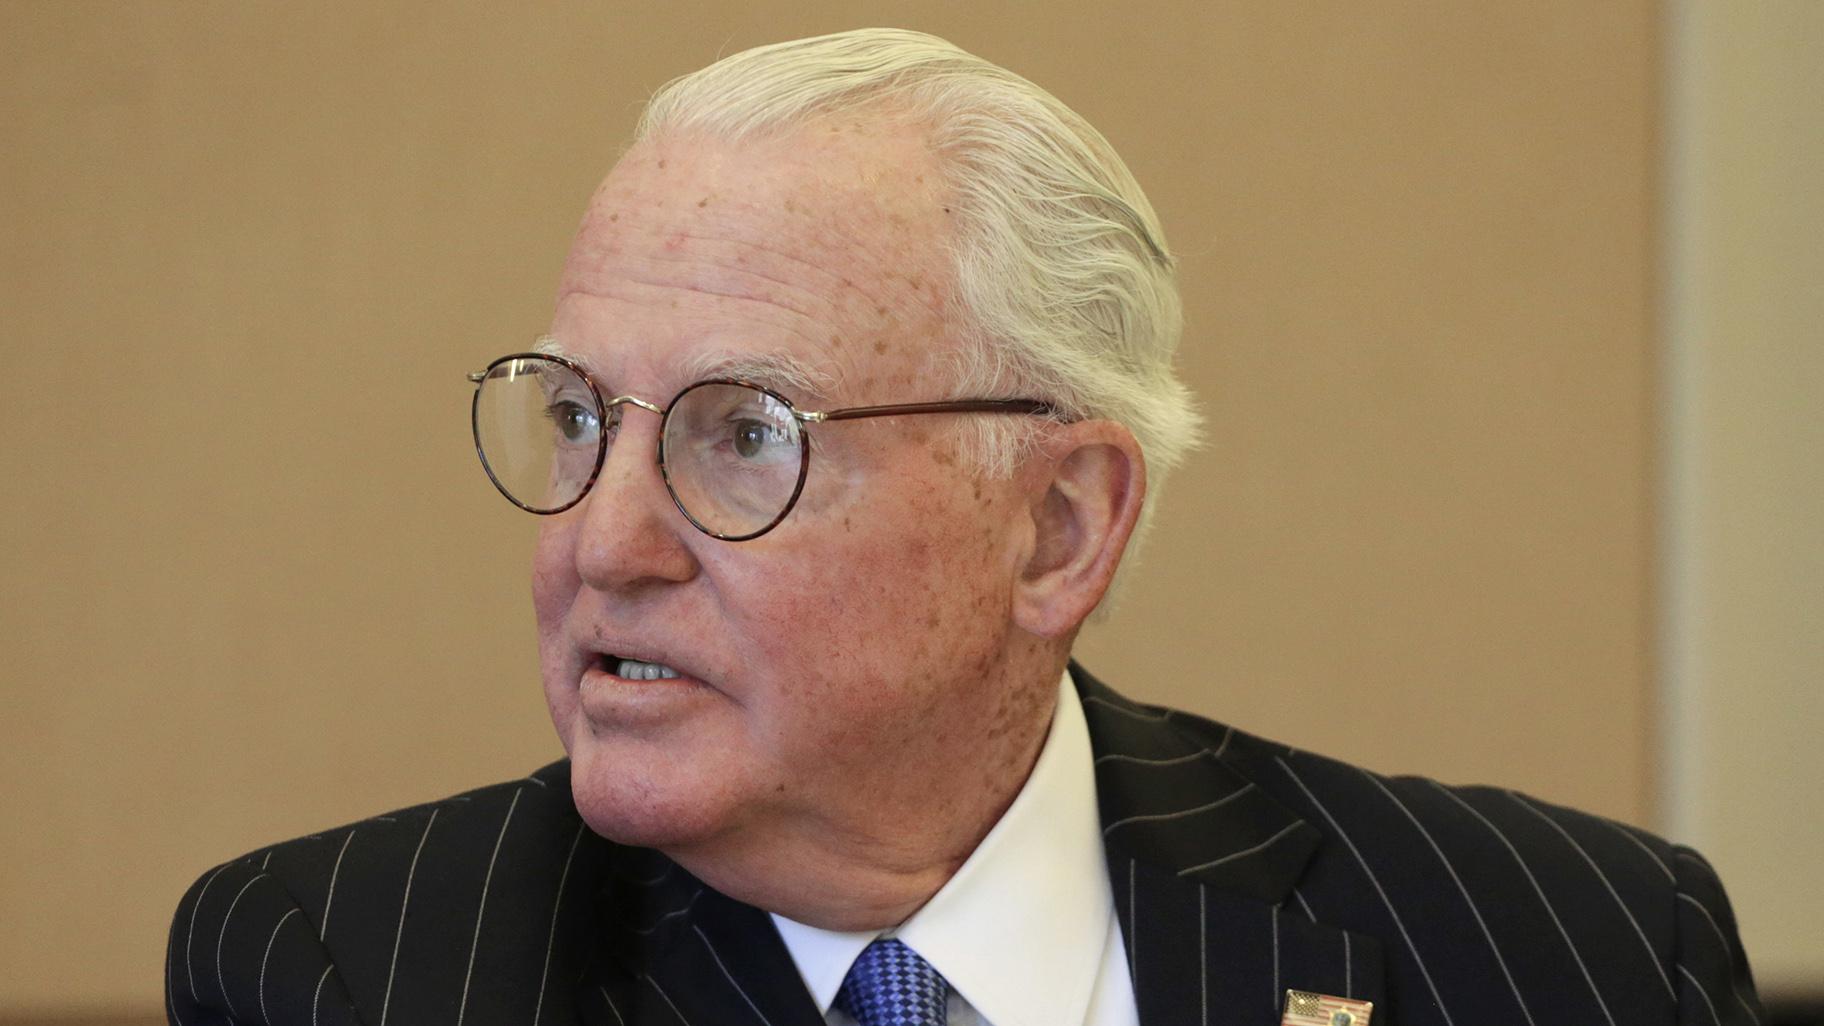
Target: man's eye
(756, 439)
(575, 422)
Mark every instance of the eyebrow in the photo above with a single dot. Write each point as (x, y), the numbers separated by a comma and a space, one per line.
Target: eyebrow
(548, 345)
(779, 371)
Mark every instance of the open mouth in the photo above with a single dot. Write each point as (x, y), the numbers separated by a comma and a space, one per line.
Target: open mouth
(636, 669)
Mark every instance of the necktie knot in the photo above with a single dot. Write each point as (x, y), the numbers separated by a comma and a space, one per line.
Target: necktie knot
(889, 985)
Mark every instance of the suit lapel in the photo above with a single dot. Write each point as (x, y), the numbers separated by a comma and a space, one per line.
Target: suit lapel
(738, 969)
(1204, 865)
(678, 953)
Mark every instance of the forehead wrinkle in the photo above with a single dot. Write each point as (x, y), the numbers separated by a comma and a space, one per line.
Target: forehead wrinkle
(881, 254)
(849, 239)
(831, 280)
(714, 280)
(775, 317)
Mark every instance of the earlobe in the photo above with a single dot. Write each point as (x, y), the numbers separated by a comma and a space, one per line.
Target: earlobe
(1083, 511)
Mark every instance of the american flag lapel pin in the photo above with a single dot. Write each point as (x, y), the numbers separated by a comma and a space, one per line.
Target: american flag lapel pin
(1306, 1008)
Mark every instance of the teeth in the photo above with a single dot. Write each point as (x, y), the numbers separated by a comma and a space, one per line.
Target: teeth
(633, 669)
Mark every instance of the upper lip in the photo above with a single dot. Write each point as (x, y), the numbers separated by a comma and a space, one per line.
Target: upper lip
(612, 649)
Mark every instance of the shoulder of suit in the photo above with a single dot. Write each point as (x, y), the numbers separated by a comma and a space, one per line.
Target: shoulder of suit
(336, 873)
(1368, 811)
(1457, 882)
(1342, 798)
(349, 895)
(539, 797)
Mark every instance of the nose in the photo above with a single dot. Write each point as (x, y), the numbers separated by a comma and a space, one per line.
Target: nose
(628, 535)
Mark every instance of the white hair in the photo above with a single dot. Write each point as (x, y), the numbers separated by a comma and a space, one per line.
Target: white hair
(1065, 286)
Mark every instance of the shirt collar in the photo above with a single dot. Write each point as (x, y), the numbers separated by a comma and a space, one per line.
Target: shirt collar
(1019, 931)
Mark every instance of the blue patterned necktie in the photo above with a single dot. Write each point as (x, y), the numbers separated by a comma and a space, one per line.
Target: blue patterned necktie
(889, 985)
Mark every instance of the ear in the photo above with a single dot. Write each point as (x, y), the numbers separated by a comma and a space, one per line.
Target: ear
(1084, 502)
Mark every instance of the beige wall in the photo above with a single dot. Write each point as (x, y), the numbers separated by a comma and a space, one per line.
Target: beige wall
(1744, 553)
(253, 584)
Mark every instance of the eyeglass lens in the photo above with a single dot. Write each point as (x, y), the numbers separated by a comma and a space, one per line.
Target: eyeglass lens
(733, 455)
(538, 429)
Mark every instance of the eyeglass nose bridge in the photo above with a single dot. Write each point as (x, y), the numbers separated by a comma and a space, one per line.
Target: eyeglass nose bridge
(611, 414)
(632, 400)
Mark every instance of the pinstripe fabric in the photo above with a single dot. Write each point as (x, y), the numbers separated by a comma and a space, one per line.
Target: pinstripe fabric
(440, 913)
(1240, 869)
(1444, 906)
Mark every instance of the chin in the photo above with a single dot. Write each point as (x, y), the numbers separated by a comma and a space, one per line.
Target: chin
(640, 805)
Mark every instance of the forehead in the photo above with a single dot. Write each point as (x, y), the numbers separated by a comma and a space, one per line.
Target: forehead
(828, 245)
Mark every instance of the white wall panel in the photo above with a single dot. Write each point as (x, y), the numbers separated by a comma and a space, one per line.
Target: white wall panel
(1743, 574)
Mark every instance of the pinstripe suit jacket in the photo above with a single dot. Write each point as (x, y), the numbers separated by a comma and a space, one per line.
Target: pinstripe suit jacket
(1240, 868)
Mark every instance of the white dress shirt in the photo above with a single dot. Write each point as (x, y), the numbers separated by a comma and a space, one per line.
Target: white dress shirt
(1025, 932)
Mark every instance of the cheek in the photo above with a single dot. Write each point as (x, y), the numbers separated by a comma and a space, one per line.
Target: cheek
(554, 587)
(554, 577)
(888, 613)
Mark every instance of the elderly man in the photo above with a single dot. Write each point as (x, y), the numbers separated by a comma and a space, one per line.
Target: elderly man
(859, 366)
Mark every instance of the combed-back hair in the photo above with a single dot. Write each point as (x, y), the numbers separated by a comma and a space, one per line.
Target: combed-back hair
(1066, 290)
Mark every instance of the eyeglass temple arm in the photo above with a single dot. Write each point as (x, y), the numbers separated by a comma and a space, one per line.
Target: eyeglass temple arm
(1032, 406)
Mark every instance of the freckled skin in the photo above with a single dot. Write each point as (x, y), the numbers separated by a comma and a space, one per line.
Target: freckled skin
(833, 765)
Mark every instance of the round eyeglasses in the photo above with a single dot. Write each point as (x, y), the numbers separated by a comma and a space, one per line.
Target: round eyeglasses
(734, 455)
